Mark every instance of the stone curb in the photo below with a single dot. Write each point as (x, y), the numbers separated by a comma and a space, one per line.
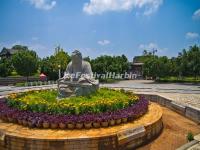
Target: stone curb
(190, 112)
(187, 145)
(131, 134)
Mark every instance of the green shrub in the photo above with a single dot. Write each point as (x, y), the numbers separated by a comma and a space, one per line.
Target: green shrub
(190, 136)
(20, 84)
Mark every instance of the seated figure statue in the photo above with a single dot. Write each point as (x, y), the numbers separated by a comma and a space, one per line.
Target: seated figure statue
(78, 78)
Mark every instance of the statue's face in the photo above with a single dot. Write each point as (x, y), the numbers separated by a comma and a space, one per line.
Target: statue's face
(76, 59)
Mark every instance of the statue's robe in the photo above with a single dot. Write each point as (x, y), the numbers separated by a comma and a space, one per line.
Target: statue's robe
(70, 87)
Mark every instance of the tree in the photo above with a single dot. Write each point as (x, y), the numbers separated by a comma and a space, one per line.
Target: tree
(194, 60)
(5, 67)
(150, 67)
(105, 63)
(51, 65)
(20, 47)
(145, 52)
(25, 62)
(87, 59)
(163, 67)
(186, 64)
(157, 67)
(61, 59)
(47, 67)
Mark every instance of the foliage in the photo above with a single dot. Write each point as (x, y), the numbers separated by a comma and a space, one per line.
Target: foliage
(179, 80)
(25, 62)
(20, 47)
(45, 101)
(186, 64)
(47, 67)
(51, 65)
(104, 64)
(157, 66)
(190, 136)
(5, 67)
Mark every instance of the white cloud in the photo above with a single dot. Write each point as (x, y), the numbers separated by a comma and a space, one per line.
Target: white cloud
(38, 46)
(104, 42)
(191, 35)
(43, 4)
(147, 46)
(34, 38)
(106, 53)
(196, 14)
(152, 46)
(101, 6)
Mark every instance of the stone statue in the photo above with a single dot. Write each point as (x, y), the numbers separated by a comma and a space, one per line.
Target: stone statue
(78, 78)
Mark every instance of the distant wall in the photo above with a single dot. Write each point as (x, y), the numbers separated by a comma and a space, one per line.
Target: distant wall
(14, 80)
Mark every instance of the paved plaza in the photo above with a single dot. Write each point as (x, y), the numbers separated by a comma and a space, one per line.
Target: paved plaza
(184, 94)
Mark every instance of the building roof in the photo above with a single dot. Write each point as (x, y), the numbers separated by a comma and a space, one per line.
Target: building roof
(6, 51)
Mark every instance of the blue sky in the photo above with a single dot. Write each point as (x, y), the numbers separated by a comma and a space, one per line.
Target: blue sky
(98, 27)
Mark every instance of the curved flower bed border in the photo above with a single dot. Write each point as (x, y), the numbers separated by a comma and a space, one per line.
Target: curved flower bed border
(44, 120)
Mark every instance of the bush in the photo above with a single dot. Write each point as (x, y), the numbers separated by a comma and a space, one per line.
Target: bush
(190, 136)
(25, 62)
(20, 84)
(5, 67)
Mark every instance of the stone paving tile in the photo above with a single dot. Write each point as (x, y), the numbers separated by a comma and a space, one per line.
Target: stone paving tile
(184, 99)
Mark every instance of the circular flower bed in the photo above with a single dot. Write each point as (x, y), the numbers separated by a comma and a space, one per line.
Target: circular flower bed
(102, 109)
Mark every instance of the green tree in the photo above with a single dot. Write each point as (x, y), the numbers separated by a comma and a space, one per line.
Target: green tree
(5, 67)
(87, 59)
(47, 67)
(150, 67)
(194, 61)
(164, 67)
(20, 47)
(25, 62)
(51, 65)
(188, 62)
(61, 59)
(105, 63)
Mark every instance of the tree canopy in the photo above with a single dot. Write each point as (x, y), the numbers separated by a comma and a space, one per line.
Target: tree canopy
(51, 65)
(187, 63)
(25, 62)
(105, 63)
(5, 67)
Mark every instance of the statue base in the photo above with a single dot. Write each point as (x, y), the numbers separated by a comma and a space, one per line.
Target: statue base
(70, 89)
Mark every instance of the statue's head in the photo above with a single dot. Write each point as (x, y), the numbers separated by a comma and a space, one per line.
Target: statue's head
(76, 56)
